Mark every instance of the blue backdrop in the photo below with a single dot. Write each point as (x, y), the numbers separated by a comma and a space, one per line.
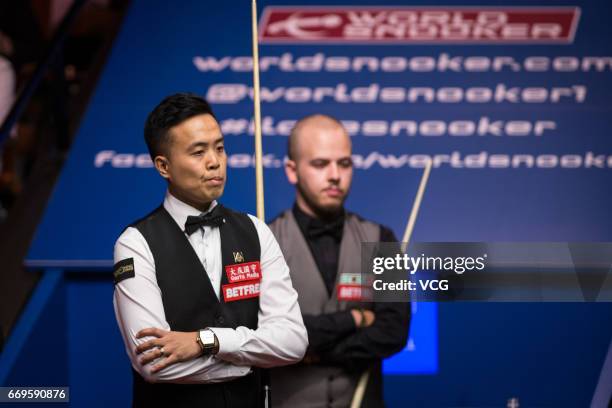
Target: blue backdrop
(518, 132)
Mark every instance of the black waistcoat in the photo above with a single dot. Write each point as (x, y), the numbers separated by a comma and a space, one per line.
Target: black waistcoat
(190, 304)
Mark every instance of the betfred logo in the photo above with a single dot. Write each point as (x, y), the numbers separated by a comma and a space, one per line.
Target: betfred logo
(239, 291)
(419, 25)
(353, 293)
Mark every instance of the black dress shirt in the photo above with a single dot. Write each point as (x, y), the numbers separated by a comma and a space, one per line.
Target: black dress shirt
(323, 238)
(333, 337)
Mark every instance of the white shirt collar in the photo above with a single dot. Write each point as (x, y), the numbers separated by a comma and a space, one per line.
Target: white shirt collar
(180, 210)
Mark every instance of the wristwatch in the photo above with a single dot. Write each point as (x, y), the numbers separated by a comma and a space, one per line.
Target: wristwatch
(208, 341)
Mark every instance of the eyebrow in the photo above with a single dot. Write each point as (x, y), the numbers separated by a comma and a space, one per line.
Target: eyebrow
(204, 144)
(330, 160)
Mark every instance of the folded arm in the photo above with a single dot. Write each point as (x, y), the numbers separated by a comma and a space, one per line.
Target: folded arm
(138, 305)
(280, 337)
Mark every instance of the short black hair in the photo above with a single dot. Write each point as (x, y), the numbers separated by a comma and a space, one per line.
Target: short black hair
(170, 112)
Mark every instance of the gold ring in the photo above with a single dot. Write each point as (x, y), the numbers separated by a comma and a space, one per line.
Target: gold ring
(163, 353)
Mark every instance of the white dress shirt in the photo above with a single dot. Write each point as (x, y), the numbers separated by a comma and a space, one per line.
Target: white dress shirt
(280, 337)
(7, 88)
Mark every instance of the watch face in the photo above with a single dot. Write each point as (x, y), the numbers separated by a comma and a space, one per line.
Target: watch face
(207, 337)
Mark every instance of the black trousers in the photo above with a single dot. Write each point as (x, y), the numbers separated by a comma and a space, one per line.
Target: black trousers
(244, 392)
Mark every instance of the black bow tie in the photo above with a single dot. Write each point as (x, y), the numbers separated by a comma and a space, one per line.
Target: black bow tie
(318, 229)
(211, 219)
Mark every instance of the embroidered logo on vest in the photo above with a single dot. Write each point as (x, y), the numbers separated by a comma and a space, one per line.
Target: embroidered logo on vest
(238, 291)
(352, 288)
(244, 281)
(350, 278)
(238, 257)
(243, 272)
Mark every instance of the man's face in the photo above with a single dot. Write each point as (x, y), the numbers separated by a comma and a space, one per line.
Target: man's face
(195, 165)
(322, 170)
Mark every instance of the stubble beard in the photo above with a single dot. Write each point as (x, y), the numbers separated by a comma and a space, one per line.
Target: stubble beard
(319, 210)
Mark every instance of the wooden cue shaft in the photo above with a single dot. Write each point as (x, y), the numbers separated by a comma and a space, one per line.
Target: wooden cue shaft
(363, 380)
(415, 206)
(360, 390)
(259, 187)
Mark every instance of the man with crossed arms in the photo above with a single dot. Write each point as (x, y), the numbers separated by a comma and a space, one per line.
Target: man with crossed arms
(321, 242)
(202, 295)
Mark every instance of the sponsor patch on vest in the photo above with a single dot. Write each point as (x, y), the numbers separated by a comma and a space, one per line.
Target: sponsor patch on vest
(350, 279)
(123, 270)
(243, 272)
(353, 293)
(238, 291)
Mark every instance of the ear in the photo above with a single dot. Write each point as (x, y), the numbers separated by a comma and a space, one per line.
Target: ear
(162, 164)
(291, 171)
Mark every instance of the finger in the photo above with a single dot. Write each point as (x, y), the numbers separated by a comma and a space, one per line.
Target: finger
(164, 363)
(151, 356)
(151, 331)
(148, 345)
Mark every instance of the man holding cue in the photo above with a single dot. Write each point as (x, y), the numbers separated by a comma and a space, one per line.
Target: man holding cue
(202, 295)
